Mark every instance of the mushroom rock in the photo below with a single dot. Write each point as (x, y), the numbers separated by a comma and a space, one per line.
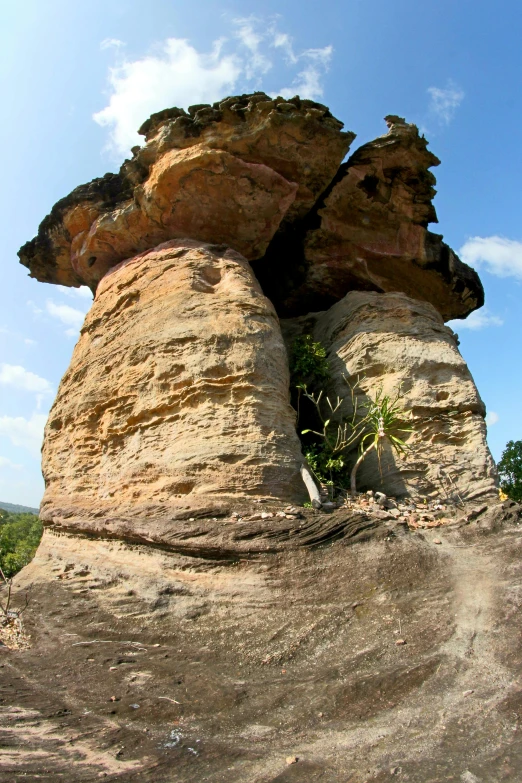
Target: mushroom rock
(175, 401)
(224, 174)
(369, 232)
(401, 345)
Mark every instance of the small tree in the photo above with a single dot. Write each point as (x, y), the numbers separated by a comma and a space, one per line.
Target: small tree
(510, 470)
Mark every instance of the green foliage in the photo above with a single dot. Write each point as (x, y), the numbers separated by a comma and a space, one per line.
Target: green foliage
(384, 422)
(20, 535)
(308, 362)
(510, 470)
(330, 433)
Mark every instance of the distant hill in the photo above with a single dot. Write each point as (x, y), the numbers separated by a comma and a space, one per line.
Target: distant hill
(14, 509)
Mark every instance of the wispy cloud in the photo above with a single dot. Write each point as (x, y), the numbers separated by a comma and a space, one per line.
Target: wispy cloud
(497, 255)
(18, 377)
(309, 81)
(444, 101)
(7, 463)
(492, 418)
(177, 74)
(111, 43)
(26, 433)
(76, 293)
(479, 319)
(70, 316)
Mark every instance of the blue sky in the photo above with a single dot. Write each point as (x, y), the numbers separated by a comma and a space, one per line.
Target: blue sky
(78, 78)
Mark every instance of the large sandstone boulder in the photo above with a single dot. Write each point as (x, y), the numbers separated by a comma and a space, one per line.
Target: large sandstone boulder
(370, 233)
(227, 174)
(393, 342)
(176, 399)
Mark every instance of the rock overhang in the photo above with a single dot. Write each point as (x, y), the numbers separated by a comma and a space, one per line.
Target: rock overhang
(265, 176)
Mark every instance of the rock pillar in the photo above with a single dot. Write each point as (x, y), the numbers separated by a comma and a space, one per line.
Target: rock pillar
(176, 400)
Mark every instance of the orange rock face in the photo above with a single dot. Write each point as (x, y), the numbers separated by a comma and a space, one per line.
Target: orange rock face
(176, 399)
(372, 232)
(206, 194)
(229, 175)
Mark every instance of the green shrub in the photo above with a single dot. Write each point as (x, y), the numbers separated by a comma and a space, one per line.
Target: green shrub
(20, 535)
(510, 470)
(308, 362)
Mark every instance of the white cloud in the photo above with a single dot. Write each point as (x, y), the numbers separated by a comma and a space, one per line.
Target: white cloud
(68, 315)
(284, 42)
(26, 433)
(111, 43)
(308, 83)
(492, 418)
(499, 256)
(257, 64)
(179, 75)
(479, 319)
(83, 292)
(445, 101)
(29, 341)
(19, 378)
(6, 463)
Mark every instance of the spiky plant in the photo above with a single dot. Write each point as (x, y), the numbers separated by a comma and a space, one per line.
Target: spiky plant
(384, 421)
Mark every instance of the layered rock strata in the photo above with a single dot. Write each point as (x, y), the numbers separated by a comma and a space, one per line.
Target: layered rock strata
(175, 401)
(401, 345)
(227, 173)
(369, 232)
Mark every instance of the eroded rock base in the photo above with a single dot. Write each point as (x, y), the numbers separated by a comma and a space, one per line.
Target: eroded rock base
(153, 666)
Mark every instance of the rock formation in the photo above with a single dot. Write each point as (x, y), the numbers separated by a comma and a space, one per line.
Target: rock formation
(188, 612)
(176, 401)
(224, 174)
(400, 345)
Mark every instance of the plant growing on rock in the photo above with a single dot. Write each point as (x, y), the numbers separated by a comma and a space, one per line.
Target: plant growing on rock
(370, 424)
(382, 423)
(337, 434)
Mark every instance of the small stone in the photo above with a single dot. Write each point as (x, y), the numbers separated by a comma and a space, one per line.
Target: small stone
(437, 541)
(356, 604)
(468, 693)
(292, 759)
(112, 668)
(400, 642)
(380, 498)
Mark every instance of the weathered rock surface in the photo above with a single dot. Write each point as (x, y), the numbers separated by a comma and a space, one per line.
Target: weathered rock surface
(176, 399)
(225, 174)
(370, 233)
(144, 663)
(391, 341)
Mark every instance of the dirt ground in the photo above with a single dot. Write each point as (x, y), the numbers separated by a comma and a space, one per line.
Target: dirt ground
(394, 658)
